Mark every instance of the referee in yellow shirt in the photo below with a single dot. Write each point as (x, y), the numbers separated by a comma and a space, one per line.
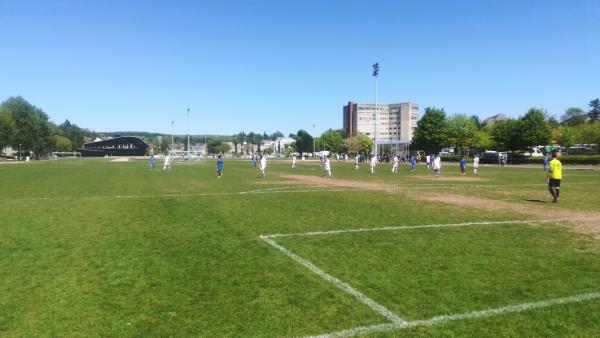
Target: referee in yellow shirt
(554, 177)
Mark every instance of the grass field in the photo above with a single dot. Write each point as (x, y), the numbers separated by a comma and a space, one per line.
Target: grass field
(93, 248)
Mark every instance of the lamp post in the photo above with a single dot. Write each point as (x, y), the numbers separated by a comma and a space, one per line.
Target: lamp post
(188, 127)
(172, 141)
(314, 140)
(375, 75)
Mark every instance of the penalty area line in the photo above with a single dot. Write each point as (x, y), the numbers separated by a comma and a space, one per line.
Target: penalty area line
(338, 283)
(463, 316)
(408, 227)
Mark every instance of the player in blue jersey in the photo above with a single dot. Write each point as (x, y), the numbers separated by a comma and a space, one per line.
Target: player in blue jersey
(152, 162)
(220, 166)
(412, 163)
(463, 166)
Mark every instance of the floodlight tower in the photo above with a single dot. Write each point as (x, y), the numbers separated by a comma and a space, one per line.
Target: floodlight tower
(172, 142)
(375, 75)
(314, 141)
(188, 127)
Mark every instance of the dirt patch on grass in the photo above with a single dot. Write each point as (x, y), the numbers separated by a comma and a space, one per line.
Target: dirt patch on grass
(335, 182)
(120, 159)
(584, 222)
(581, 221)
(452, 178)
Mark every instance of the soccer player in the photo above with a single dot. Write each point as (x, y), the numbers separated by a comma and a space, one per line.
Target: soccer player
(554, 177)
(412, 163)
(293, 161)
(167, 163)
(326, 166)
(437, 165)
(373, 163)
(427, 161)
(463, 166)
(356, 162)
(546, 162)
(395, 164)
(475, 164)
(220, 166)
(262, 166)
(151, 161)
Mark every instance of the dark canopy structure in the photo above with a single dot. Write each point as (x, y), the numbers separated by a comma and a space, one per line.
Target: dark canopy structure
(118, 146)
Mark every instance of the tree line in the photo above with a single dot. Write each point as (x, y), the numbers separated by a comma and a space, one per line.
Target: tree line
(26, 127)
(435, 130)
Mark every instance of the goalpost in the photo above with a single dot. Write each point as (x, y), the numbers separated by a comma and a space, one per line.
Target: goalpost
(187, 156)
(65, 154)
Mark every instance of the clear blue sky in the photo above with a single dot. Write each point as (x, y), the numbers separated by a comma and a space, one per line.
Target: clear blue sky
(261, 65)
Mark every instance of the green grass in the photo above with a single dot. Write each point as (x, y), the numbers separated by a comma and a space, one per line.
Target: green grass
(91, 249)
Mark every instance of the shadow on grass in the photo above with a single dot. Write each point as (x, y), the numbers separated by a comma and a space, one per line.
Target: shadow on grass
(533, 200)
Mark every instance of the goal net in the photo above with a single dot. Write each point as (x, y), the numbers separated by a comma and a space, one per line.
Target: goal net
(57, 155)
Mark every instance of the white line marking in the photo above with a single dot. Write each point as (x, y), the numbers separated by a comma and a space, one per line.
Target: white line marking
(462, 316)
(341, 285)
(281, 190)
(187, 195)
(398, 323)
(331, 232)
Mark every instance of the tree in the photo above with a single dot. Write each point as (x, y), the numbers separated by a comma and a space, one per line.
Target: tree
(8, 129)
(223, 148)
(32, 130)
(461, 131)
(431, 133)
(589, 133)
(505, 135)
(535, 128)
(357, 145)
(275, 135)
(304, 141)
(475, 119)
(73, 133)
(214, 146)
(332, 140)
(61, 143)
(594, 112)
(481, 139)
(573, 116)
(567, 137)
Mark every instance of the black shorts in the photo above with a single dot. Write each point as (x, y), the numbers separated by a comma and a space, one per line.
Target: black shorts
(554, 183)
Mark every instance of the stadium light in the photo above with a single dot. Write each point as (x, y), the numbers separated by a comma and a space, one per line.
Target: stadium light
(314, 131)
(188, 126)
(375, 75)
(172, 142)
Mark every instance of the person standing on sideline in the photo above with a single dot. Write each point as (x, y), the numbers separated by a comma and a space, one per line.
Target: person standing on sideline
(475, 164)
(293, 161)
(262, 166)
(220, 166)
(395, 164)
(152, 161)
(546, 162)
(554, 177)
(463, 166)
(437, 164)
(167, 163)
(326, 166)
(373, 163)
(356, 162)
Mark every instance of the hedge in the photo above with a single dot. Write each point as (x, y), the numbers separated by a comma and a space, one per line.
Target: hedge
(519, 159)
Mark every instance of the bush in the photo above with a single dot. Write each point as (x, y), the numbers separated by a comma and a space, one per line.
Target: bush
(520, 159)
